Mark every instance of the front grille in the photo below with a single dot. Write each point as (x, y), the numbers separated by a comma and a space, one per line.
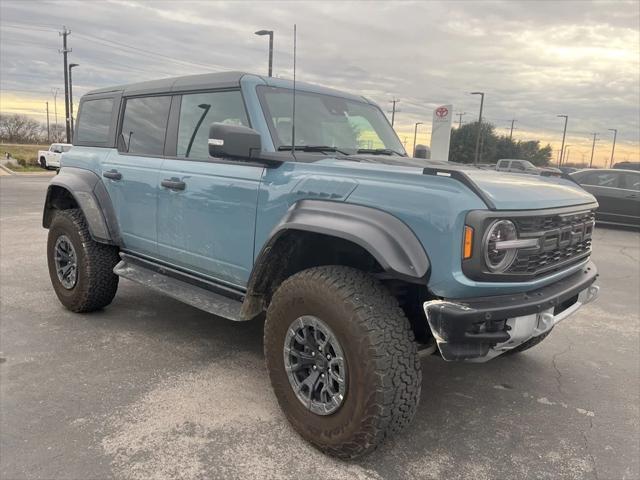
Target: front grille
(563, 240)
(545, 223)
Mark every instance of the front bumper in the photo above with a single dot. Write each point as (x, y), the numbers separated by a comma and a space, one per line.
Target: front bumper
(479, 329)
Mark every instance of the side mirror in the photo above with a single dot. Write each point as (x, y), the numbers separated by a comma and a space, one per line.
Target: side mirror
(236, 141)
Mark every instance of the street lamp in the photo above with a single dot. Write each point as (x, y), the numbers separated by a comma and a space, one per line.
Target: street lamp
(593, 147)
(270, 33)
(566, 147)
(415, 134)
(613, 149)
(71, 97)
(564, 134)
(475, 158)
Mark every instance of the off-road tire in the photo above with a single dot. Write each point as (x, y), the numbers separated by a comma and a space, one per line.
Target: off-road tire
(43, 163)
(96, 283)
(532, 342)
(383, 368)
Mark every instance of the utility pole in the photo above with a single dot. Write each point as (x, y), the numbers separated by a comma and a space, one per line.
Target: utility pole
(564, 134)
(593, 147)
(71, 97)
(477, 155)
(460, 114)
(393, 110)
(613, 149)
(511, 131)
(64, 34)
(415, 135)
(54, 91)
(48, 130)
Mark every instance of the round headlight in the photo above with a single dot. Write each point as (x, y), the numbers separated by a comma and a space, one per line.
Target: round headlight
(498, 258)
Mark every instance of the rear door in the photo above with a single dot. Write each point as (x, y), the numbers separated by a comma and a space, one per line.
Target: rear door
(131, 173)
(207, 206)
(605, 186)
(630, 201)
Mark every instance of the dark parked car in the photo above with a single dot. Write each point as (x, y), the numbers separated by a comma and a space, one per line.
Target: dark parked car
(617, 192)
(627, 165)
(568, 170)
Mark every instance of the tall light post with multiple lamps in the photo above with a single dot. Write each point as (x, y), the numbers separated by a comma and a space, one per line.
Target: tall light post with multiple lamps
(477, 154)
(415, 135)
(564, 134)
(593, 147)
(270, 34)
(613, 149)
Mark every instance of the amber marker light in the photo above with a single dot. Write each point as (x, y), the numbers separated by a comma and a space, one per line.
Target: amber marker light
(468, 242)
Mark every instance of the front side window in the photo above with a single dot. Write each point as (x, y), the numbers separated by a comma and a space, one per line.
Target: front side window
(325, 120)
(198, 111)
(144, 125)
(94, 121)
(517, 165)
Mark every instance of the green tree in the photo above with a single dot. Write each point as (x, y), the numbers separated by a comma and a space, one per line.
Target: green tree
(493, 146)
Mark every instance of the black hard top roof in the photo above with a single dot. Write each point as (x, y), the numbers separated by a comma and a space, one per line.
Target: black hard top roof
(189, 82)
(213, 81)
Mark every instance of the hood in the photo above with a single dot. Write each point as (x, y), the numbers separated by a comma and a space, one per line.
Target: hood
(507, 191)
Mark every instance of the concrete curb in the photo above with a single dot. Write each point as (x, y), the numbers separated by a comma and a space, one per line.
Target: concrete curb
(5, 171)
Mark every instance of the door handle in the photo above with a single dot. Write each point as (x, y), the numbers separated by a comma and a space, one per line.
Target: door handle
(173, 184)
(633, 195)
(112, 175)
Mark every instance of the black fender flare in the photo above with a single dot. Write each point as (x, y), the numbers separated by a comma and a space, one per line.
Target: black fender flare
(92, 198)
(388, 239)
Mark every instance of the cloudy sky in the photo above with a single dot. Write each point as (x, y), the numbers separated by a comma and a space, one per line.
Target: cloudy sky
(533, 59)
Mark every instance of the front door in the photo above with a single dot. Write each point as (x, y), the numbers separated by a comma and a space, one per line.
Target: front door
(207, 206)
(131, 174)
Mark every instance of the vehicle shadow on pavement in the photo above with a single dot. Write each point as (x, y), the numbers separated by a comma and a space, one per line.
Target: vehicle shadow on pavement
(470, 414)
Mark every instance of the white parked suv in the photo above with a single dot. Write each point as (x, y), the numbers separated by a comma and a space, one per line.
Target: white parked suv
(525, 166)
(51, 158)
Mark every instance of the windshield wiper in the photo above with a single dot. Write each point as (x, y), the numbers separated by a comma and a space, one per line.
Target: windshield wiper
(311, 148)
(380, 151)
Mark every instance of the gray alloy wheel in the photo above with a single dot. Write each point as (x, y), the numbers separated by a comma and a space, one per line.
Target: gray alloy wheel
(315, 365)
(66, 262)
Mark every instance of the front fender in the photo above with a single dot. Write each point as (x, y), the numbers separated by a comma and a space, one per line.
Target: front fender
(91, 197)
(389, 240)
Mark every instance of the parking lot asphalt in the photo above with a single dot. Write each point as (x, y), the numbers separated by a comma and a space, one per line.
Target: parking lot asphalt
(150, 388)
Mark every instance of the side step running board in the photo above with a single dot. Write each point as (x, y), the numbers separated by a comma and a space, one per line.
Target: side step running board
(188, 293)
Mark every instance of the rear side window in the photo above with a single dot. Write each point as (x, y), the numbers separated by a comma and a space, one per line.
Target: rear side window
(602, 179)
(144, 125)
(94, 121)
(631, 181)
(198, 111)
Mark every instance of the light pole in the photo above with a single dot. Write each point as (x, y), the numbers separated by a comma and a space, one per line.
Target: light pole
(475, 158)
(593, 147)
(613, 149)
(564, 153)
(54, 91)
(415, 135)
(270, 33)
(71, 97)
(564, 134)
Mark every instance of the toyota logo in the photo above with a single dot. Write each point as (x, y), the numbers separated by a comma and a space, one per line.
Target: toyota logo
(442, 112)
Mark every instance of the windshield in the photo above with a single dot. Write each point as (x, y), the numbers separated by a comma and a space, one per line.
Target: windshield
(340, 124)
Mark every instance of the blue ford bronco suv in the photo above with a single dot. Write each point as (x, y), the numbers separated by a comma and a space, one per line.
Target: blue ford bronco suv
(233, 195)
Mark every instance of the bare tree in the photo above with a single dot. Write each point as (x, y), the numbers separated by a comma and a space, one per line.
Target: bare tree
(17, 128)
